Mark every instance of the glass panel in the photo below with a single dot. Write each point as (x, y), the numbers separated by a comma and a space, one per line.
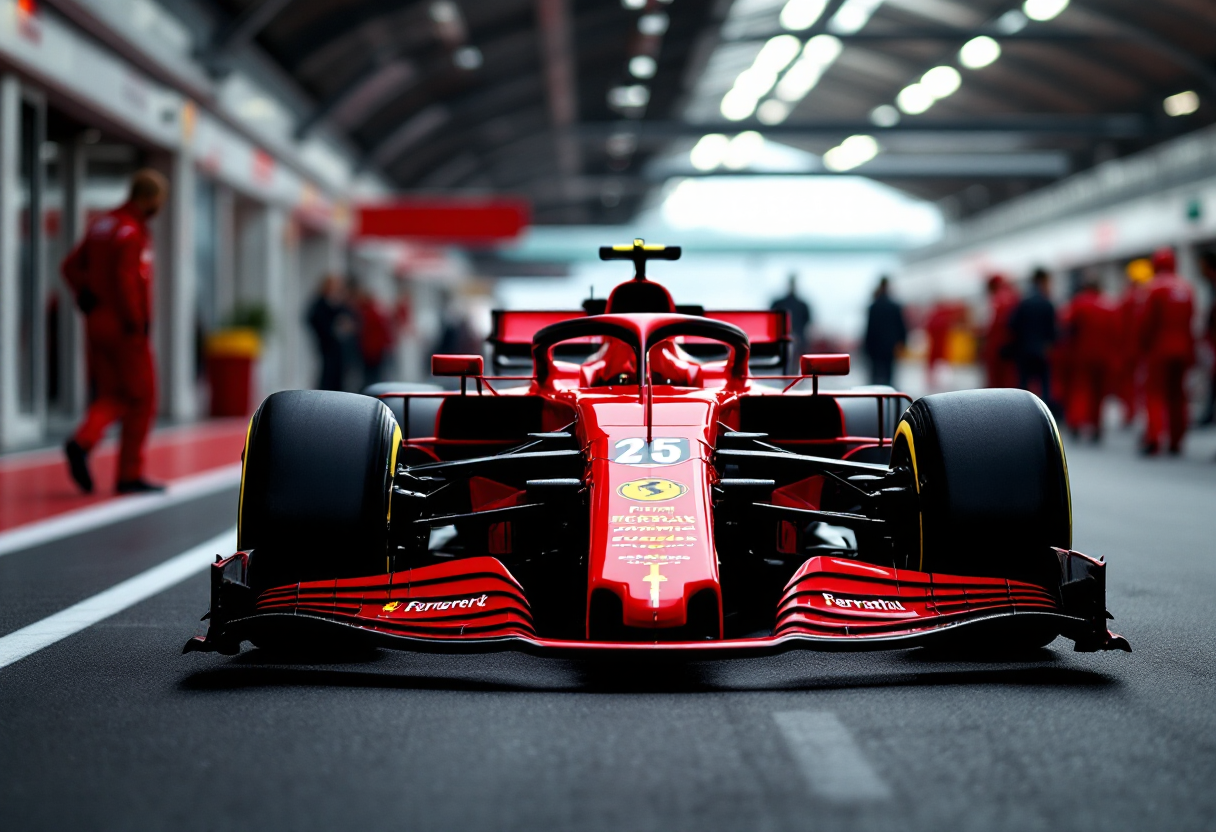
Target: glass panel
(28, 236)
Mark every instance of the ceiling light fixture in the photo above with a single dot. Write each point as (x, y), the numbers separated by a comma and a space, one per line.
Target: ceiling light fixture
(914, 99)
(978, 53)
(743, 149)
(801, 14)
(629, 97)
(853, 16)
(1181, 104)
(643, 66)
(653, 24)
(884, 115)
(941, 81)
(467, 58)
(778, 52)
(1042, 10)
(709, 152)
(772, 112)
(819, 53)
(633, 5)
(852, 152)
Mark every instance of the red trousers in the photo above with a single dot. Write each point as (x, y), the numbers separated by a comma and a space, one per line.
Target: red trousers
(124, 377)
(1087, 389)
(1165, 401)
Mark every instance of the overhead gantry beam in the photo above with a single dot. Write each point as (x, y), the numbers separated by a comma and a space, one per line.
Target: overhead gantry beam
(561, 87)
(1121, 125)
(240, 30)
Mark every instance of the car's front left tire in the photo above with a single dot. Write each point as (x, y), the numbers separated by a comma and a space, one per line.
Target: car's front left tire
(315, 487)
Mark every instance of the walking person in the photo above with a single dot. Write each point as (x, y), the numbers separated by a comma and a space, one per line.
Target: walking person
(800, 315)
(1092, 329)
(332, 324)
(1207, 265)
(1032, 332)
(1169, 343)
(886, 331)
(110, 273)
(1000, 371)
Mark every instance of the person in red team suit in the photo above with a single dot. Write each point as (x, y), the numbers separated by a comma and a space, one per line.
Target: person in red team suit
(1002, 300)
(110, 272)
(1129, 357)
(1092, 333)
(1169, 345)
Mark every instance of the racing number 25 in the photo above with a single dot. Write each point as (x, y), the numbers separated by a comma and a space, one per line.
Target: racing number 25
(662, 451)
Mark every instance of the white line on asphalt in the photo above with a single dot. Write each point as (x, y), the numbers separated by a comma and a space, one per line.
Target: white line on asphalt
(21, 643)
(830, 760)
(103, 514)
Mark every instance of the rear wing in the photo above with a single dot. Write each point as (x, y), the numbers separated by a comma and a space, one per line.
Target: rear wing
(511, 336)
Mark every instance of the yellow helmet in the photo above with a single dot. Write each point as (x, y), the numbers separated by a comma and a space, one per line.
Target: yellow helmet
(1140, 271)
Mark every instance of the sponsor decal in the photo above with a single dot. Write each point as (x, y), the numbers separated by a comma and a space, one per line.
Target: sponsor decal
(652, 490)
(654, 579)
(861, 604)
(427, 606)
(661, 451)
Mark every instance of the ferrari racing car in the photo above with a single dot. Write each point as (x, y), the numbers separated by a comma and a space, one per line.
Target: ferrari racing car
(643, 477)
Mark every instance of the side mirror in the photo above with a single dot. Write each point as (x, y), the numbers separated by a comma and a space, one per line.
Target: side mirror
(824, 365)
(460, 365)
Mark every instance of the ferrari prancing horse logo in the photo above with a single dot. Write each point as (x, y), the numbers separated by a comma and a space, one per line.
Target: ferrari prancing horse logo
(652, 490)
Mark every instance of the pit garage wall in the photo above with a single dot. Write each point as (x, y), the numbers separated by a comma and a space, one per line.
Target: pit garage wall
(1119, 210)
(46, 57)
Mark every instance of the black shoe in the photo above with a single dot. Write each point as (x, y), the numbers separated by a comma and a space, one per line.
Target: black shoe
(78, 466)
(139, 487)
(1149, 449)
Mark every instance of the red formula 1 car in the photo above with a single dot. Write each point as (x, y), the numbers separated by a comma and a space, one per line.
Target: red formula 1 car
(645, 489)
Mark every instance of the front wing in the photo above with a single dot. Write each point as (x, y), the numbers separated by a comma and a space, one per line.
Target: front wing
(474, 605)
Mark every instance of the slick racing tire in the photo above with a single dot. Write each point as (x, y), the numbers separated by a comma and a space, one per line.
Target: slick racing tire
(315, 484)
(992, 483)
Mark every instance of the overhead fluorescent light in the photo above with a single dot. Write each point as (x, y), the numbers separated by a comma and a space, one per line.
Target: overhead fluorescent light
(884, 115)
(978, 53)
(852, 152)
(853, 16)
(1181, 104)
(914, 99)
(941, 81)
(743, 149)
(709, 152)
(801, 14)
(1042, 10)
(773, 111)
(643, 66)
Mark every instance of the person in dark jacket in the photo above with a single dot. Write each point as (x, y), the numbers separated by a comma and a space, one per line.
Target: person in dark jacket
(332, 322)
(800, 318)
(885, 332)
(1032, 333)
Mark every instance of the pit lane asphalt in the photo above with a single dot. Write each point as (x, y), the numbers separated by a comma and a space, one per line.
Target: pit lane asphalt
(112, 729)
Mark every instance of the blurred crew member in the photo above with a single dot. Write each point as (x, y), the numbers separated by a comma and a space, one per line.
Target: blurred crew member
(937, 330)
(332, 323)
(110, 273)
(800, 318)
(1129, 356)
(1032, 331)
(1092, 331)
(1169, 345)
(1207, 265)
(1002, 300)
(375, 334)
(885, 331)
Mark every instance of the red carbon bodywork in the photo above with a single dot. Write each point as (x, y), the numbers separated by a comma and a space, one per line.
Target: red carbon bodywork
(647, 451)
(474, 605)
